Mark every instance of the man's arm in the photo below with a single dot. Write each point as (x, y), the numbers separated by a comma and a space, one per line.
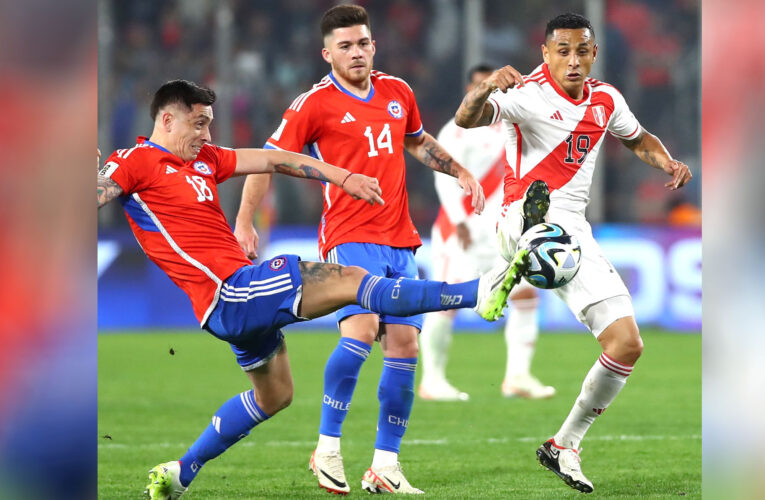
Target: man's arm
(263, 161)
(474, 111)
(255, 188)
(649, 148)
(107, 190)
(431, 154)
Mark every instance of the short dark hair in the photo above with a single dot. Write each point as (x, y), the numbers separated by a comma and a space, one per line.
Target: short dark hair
(479, 68)
(569, 20)
(180, 92)
(343, 16)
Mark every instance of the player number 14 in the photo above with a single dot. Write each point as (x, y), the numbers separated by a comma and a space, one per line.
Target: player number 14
(383, 141)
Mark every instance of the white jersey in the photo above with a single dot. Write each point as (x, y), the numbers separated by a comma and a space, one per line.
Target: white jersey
(482, 152)
(552, 137)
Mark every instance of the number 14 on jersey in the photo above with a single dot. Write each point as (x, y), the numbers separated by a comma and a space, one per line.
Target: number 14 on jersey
(383, 141)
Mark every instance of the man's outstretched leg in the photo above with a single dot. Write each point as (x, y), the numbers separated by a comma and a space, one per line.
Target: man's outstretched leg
(272, 392)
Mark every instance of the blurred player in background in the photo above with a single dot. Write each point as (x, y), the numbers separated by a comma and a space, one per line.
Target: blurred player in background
(463, 245)
(556, 119)
(364, 120)
(167, 185)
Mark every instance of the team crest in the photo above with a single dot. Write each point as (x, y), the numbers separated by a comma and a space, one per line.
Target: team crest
(599, 112)
(277, 263)
(202, 168)
(395, 109)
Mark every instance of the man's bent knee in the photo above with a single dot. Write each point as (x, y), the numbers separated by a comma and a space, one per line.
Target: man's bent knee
(621, 341)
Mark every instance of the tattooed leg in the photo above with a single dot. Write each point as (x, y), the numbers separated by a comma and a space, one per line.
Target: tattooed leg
(328, 287)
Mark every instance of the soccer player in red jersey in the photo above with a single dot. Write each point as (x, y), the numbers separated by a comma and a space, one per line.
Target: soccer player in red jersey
(167, 185)
(362, 119)
(556, 119)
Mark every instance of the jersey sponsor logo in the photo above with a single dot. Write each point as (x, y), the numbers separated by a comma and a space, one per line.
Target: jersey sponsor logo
(202, 168)
(108, 169)
(599, 112)
(348, 118)
(556, 116)
(277, 263)
(395, 109)
(169, 170)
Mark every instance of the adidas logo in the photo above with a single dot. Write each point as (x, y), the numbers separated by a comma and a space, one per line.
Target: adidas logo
(170, 170)
(556, 116)
(348, 118)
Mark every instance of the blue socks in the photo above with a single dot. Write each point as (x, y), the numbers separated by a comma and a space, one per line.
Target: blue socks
(340, 376)
(407, 297)
(231, 422)
(396, 395)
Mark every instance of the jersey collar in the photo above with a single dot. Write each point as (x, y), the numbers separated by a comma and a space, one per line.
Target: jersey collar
(152, 144)
(561, 92)
(346, 91)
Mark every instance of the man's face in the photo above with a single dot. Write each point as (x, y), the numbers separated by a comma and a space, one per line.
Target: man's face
(350, 51)
(569, 53)
(188, 130)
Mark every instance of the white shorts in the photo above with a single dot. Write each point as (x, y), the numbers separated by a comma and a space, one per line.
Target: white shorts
(453, 264)
(596, 281)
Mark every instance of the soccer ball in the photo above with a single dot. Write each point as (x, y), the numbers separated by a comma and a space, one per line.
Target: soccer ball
(554, 255)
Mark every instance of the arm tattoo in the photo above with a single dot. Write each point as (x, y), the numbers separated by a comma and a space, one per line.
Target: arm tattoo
(436, 158)
(305, 171)
(107, 190)
(471, 112)
(318, 272)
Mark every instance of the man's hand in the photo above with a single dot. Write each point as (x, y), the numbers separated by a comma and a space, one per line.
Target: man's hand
(471, 187)
(247, 237)
(504, 78)
(361, 187)
(98, 159)
(463, 236)
(680, 173)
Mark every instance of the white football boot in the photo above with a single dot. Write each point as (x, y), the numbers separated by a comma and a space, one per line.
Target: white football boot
(328, 469)
(566, 463)
(388, 480)
(441, 390)
(526, 386)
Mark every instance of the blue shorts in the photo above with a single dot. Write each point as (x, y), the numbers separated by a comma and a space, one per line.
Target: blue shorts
(254, 304)
(380, 260)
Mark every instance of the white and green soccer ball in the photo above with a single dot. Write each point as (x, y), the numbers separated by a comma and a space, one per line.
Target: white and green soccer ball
(554, 255)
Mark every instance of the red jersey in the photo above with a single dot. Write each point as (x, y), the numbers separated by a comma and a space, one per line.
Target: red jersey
(173, 209)
(364, 136)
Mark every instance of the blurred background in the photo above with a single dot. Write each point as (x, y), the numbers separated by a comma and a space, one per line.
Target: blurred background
(258, 56)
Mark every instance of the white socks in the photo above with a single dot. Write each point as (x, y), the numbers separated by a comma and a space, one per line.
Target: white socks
(521, 332)
(601, 385)
(435, 339)
(328, 444)
(384, 458)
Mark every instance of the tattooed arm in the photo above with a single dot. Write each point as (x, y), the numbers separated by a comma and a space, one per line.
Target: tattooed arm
(649, 148)
(474, 110)
(107, 190)
(263, 161)
(431, 154)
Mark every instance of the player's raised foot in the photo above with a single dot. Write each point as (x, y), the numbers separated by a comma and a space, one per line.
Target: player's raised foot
(566, 463)
(494, 287)
(388, 480)
(536, 202)
(526, 386)
(328, 469)
(441, 390)
(165, 482)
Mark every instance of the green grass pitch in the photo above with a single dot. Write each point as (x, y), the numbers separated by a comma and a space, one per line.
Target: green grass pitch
(152, 405)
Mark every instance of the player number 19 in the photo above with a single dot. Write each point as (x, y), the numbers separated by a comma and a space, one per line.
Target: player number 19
(200, 186)
(383, 141)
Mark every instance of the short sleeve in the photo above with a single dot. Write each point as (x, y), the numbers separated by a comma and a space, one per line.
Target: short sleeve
(126, 168)
(413, 122)
(224, 160)
(622, 123)
(297, 127)
(506, 105)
